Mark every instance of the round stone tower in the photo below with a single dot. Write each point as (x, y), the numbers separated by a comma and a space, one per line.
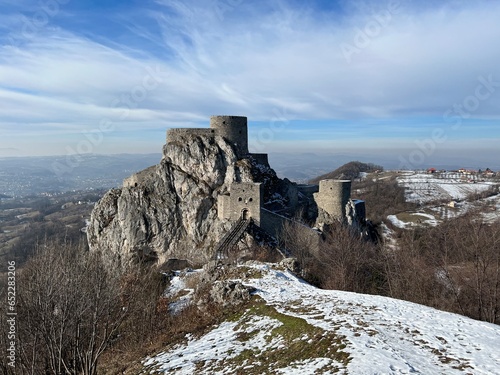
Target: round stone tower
(234, 129)
(334, 196)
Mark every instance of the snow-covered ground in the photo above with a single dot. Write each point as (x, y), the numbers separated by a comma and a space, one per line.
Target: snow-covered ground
(368, 335)
(179, 289)
(416, 219)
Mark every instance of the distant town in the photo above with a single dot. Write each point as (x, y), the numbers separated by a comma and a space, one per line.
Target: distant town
(466, 174)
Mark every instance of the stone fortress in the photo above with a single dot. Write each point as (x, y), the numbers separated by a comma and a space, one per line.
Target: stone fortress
(245, 199)
(208, 195)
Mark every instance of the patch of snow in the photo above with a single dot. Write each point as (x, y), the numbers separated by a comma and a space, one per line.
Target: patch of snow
(383, 335)
(177, 284)
(220, 343)
(396, 222)
(431, 219)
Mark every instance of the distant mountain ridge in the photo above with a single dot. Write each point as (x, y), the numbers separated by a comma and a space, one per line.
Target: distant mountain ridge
(348, 171)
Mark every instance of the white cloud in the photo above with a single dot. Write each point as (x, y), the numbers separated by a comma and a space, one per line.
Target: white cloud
(255, 60)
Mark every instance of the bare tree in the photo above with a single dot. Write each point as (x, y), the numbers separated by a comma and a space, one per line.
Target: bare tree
(410, 274)
(349, 262)
(70, 309)
(473, 268)
(302, 243)
(454, 266)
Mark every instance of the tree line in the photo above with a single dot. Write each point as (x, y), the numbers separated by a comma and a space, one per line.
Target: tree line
(78, 315)
(454, 266)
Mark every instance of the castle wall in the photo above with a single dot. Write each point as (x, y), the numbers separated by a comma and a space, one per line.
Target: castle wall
(176, 134)
(224, 206)
(333, 197)
(246, 196)
(234, 129)
(132, 181)
(261, 159)
(308, 190)
(273, 224)
(137, 178)
(360, 209)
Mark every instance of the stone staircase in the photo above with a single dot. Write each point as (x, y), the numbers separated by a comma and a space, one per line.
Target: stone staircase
(231, 238)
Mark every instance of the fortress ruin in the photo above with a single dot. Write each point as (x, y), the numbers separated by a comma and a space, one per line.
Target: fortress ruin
(244, 203)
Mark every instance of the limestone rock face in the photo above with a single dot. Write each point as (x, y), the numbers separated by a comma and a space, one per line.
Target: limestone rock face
(170, 210)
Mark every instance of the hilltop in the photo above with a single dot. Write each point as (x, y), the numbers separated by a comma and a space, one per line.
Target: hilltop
(348, 171)
(291, 327)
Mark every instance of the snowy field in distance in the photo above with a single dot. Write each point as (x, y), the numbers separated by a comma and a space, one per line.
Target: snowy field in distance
(424, 187)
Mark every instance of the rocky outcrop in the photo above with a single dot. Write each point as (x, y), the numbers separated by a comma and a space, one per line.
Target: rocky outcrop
(170, 210)
(230, 293)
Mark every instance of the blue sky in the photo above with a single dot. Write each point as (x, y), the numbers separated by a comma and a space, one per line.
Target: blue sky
(418, 80)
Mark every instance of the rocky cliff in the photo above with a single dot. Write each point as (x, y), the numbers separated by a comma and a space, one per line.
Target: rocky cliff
(170, 210)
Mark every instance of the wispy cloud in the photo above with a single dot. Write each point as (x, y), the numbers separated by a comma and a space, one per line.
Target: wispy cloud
(250, 58)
